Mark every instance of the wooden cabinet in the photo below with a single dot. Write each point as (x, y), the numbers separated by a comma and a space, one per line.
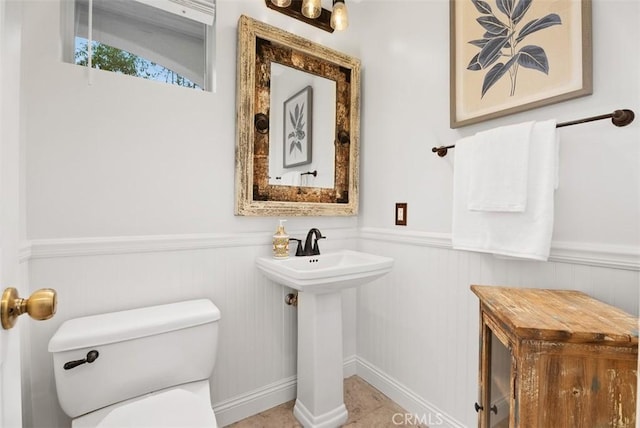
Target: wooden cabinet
(571, 360)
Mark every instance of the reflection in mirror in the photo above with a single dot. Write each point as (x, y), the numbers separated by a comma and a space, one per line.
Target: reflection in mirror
(297, 145)
(284, 141)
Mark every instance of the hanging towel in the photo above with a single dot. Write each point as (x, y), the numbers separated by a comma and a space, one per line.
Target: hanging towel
(499, 169)
(524, 234)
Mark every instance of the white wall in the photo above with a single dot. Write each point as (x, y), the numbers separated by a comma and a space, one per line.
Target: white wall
(125, 156)
(129, 202)
(406, 113)
(417, 328)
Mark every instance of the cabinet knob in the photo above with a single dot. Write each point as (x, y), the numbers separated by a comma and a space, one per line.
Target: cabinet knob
(478, 407)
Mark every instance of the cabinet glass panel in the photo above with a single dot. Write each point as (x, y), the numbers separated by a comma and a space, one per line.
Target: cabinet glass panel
(500, 373)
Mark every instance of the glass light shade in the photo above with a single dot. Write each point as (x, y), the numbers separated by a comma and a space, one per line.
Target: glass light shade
(311, 8)
(281, 3)
(339, 18)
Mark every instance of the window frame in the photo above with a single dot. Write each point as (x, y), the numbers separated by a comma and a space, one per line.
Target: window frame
(69, 22)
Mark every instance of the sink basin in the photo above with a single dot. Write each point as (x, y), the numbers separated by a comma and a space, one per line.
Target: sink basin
(327, 272)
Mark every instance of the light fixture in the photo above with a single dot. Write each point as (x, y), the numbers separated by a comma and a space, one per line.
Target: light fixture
(312, 12)
(339, 18)
(311, 8)
(281, 3)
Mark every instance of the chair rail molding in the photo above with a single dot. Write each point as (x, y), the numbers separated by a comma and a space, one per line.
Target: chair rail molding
(93, 246)
(625, 257)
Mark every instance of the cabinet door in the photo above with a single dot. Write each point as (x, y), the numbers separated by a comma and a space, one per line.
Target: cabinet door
(500, 386)
(495, 378)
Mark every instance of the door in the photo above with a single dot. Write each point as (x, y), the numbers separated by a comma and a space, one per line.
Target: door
(10, 41)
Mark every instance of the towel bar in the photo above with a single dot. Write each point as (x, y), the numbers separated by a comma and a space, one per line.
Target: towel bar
(618, 118)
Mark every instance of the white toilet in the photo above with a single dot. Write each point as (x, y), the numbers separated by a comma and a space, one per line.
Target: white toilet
(146, 367)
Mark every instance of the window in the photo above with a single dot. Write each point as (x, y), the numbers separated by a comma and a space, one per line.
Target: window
(165, 40)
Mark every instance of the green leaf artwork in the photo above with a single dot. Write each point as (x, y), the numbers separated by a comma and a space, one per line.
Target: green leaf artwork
(500, 52)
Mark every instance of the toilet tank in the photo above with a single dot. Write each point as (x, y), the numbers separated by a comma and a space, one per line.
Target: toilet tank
(139, 351)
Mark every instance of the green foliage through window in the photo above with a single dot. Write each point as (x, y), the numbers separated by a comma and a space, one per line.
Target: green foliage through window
(109, 58)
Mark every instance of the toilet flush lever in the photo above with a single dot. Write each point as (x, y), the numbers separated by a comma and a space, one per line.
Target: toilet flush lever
(91, 357)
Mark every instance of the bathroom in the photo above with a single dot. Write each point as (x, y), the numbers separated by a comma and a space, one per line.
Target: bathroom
(125, 195)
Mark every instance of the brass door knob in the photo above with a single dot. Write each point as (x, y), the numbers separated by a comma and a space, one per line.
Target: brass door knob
(41, 305)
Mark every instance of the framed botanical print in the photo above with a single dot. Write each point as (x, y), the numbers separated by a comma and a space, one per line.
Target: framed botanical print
(509, 56)
(297, 128)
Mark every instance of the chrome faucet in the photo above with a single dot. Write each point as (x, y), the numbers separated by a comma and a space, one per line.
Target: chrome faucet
(310, 244)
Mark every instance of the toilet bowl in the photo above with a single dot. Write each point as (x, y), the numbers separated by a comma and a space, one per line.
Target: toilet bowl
(146, 367)
(174, 407)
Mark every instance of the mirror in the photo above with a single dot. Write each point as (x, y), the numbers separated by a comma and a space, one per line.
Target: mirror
(289, 164)
(298, 121)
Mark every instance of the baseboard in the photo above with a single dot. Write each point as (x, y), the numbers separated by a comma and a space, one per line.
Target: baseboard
(261, 399)
(420, 411)
(350, 366)
(256, 401)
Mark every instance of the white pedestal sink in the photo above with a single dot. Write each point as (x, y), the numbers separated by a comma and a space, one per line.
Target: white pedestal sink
(319, 280)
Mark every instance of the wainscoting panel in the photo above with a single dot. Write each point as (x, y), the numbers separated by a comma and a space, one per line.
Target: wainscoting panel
(419, 324)
(412, 333)
(257, 336)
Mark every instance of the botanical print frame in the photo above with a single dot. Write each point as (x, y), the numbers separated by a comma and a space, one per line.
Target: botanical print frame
(508, 56)
(297, 128)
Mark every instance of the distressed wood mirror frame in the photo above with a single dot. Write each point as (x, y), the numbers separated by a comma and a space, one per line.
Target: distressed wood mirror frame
(259, 44)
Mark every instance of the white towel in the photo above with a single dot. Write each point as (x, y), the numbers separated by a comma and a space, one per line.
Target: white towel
(517, 234)
(499, 170)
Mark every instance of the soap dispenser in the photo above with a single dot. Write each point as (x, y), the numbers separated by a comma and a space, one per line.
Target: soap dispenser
(281, 242)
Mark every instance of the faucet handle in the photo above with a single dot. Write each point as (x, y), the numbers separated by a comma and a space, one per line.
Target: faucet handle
(299, 250)
(316, 249)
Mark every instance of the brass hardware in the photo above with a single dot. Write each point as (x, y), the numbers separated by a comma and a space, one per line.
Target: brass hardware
(41, 305)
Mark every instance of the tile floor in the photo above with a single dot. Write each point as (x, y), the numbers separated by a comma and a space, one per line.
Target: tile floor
(367, 407)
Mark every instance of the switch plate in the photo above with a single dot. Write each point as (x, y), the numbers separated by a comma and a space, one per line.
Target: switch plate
(401, 214)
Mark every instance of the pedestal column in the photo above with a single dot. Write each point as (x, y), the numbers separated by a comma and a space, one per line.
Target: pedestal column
(320, 398)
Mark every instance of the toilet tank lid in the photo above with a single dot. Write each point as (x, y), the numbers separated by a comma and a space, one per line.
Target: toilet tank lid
(113, 327)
